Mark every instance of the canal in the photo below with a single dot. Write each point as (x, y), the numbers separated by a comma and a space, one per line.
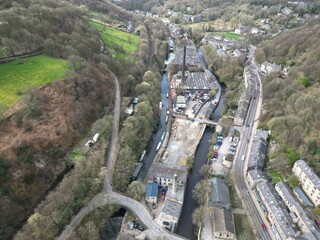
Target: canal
(162, 127)
(185, 227)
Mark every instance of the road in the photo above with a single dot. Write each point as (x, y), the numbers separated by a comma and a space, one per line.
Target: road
(108, 196)
(239, 169)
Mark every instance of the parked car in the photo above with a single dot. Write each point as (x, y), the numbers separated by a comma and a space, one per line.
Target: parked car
(264, 227)
(140, 228)
(163, 196)
(166, 223)
(215, 155)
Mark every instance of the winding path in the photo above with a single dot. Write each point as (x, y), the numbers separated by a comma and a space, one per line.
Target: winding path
(108, 196)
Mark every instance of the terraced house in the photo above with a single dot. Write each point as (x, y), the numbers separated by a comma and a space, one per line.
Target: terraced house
(309, 181)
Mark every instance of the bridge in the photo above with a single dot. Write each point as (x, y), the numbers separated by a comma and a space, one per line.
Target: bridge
(210, 123)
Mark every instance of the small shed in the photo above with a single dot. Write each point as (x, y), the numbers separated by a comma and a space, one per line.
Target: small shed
(181, 102)
(152, 192)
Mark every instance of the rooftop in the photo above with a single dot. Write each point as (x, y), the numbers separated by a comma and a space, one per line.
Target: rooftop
(172, 208)
(261, 134)
(192, 58)
(223, 221)
(199, 80)
(181, 99)
(164, 170)
(220, 196)
(303, 197)
(286, 195)
(152, 189)
(176, 196)
(309, 172)
(257, 175)
(277, 208)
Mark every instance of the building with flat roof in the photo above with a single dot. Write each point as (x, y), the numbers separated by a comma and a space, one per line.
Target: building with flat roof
(171, 211)
(305, 223)
(192, 59)
(151, 195)
(181, 102)
(220, 196)
(163, 174)
(280, 219)
(309, 181)
(255, 177)
(223, 224)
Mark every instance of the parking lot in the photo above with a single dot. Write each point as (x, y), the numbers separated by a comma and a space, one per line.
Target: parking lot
(223, 152)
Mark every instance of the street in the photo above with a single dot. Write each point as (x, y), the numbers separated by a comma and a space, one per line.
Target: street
(240, 167)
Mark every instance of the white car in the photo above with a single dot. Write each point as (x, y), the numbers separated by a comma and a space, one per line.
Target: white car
(243, 157)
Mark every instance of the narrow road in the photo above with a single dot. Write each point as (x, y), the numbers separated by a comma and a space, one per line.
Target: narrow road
(151, 48)
(108, 196)
(239, 169)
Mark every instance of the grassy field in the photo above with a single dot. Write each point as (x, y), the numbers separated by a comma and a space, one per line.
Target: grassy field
(22, 74)
(231, 35)
(276, 176)
(122, 42)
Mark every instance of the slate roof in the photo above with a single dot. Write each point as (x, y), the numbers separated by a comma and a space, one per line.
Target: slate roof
(303, 197)
(223, 221)
(220, 196)
(152, 189)
(309, 172)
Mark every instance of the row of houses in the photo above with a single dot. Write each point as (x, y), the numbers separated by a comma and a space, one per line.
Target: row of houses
(289, 220)
(225, 47)
(247, 30)
(258, 151)
(245, 97)
(309, 181)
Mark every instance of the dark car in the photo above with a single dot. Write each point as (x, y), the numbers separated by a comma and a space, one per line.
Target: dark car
(140, 228)
(135, 224)
(264, 227)
(165, 223)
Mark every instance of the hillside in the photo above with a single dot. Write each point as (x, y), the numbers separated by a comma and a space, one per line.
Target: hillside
(48, 121)
(292, 102)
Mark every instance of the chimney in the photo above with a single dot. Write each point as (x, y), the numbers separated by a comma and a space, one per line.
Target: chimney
(184, 63)
(174, 184)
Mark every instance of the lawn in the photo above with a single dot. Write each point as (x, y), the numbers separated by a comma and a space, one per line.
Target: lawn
(231, 35)
(22, 74)
(122, 42)
(276, 176)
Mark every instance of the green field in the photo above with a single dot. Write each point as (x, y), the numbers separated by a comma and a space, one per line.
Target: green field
(231, 35)
(122, 42)
(276, 176)
(22, 74)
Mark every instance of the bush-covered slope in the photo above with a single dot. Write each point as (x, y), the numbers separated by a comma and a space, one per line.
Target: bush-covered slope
(50, 120)
(292, 102)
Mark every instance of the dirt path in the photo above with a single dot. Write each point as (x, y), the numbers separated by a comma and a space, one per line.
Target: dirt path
(151, 48)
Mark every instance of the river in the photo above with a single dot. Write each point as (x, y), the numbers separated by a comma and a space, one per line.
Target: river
(186, 227)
